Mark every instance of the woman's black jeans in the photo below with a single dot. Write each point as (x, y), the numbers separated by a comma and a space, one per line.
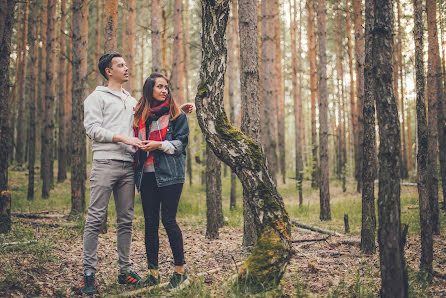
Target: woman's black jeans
(152, 198)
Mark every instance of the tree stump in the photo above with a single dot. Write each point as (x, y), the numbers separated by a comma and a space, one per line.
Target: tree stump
(5, 212)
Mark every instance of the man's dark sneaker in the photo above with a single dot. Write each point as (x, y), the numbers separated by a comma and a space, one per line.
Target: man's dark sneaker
(178, 281)
(87, 286)
(149, 280)
(130, 278)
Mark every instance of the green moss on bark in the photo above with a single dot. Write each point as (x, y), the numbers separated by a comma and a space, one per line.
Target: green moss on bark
(231, 134)
(264, 268)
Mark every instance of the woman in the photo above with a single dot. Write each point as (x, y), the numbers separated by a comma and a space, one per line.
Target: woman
(160, 171)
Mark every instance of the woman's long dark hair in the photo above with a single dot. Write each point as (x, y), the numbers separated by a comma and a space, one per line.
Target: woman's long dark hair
(147, 101)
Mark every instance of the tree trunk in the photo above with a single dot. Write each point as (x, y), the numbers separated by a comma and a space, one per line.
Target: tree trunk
(177, 77)
(368, 226)
(353, 109)
(21, 99)
(156, 35)
(213, 194)
(324, 182)
(313, 89)
(62, 165)
(359, 57)
(391, 247)
(5, 211)
(249, 87)
(422, 135)
(42, 86)
(111, 15)
(79, 93)
(68, 97)
(266, 265)
(433, 95)
(186, 65)
(131, 38)
(6, 25)
(269, 83)
(164, 40)
(99, 30)
(232, 50)
(33, 78)
(50, 87)
(299, 117)
(280, 98)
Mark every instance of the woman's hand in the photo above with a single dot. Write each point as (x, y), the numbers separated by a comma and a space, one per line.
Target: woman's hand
(187, 107)
(149, 146)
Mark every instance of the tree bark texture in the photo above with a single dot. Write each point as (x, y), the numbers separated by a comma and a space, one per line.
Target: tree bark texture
(155, 16)
(269, 83)
(391, 251)
(6, 25)
(297, 100)
(186, 64)
(131, 43)
(250, 101)
(313, 89)
(422, 152)
(368, 221)
(5, 211)
(177, 78)
(61, 145)
(111, 16)
(324, 181)
(99, 30)
(21, 99)
(79, 93)
(42, 86)
(50, 94)
(213, 194)
(266, 265)
(359, 57)
(433, 72)
(33, 78)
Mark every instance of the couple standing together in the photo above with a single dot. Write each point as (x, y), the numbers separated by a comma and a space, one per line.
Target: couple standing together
(135, 143)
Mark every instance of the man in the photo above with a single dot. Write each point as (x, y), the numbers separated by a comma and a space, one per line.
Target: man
(108, 117)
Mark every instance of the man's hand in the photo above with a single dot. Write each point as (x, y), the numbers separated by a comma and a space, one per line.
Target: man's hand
(132, 141)
(187, 107)
(149, 146)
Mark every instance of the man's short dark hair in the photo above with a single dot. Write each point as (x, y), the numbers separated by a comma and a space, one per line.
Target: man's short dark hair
(106, 62)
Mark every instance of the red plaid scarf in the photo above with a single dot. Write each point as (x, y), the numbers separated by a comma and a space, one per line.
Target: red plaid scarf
(160, 119)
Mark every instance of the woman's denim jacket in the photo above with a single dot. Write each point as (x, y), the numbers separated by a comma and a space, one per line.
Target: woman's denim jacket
(169, 168)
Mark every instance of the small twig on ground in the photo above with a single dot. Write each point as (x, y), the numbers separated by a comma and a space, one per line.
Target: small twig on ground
(315, 229)
(235, 263)
(309, 240)
(18, 243)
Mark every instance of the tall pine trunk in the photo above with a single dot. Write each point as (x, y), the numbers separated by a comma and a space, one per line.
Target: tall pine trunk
(249, 92)
(177, 77)
(422, 135)
(21, 99)
(313, 89)
(359, 57)
(433, 73)
(394, 281)
(42, 86)
(50, 94)
(79, 93)
(33, 78)
(111, 16)
(213, 194)
(269, 83)
(324, 181)
(368, 222)
(131, 40)
(155, 21)
(62, 165)
(265, 267)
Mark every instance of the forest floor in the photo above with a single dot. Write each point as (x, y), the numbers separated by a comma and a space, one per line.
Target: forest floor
(42, 256)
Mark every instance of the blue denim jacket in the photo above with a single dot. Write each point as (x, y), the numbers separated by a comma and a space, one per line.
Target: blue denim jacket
(169, 168)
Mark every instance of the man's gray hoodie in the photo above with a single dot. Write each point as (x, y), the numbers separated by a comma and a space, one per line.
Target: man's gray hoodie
(108, 113)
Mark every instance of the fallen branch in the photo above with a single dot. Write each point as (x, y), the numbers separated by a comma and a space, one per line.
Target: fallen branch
(44, 214)
(163, 285)
(316, 229)
(309, 240)
(18, 243)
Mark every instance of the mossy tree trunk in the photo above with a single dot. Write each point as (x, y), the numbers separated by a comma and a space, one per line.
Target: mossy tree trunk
(266, 265)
